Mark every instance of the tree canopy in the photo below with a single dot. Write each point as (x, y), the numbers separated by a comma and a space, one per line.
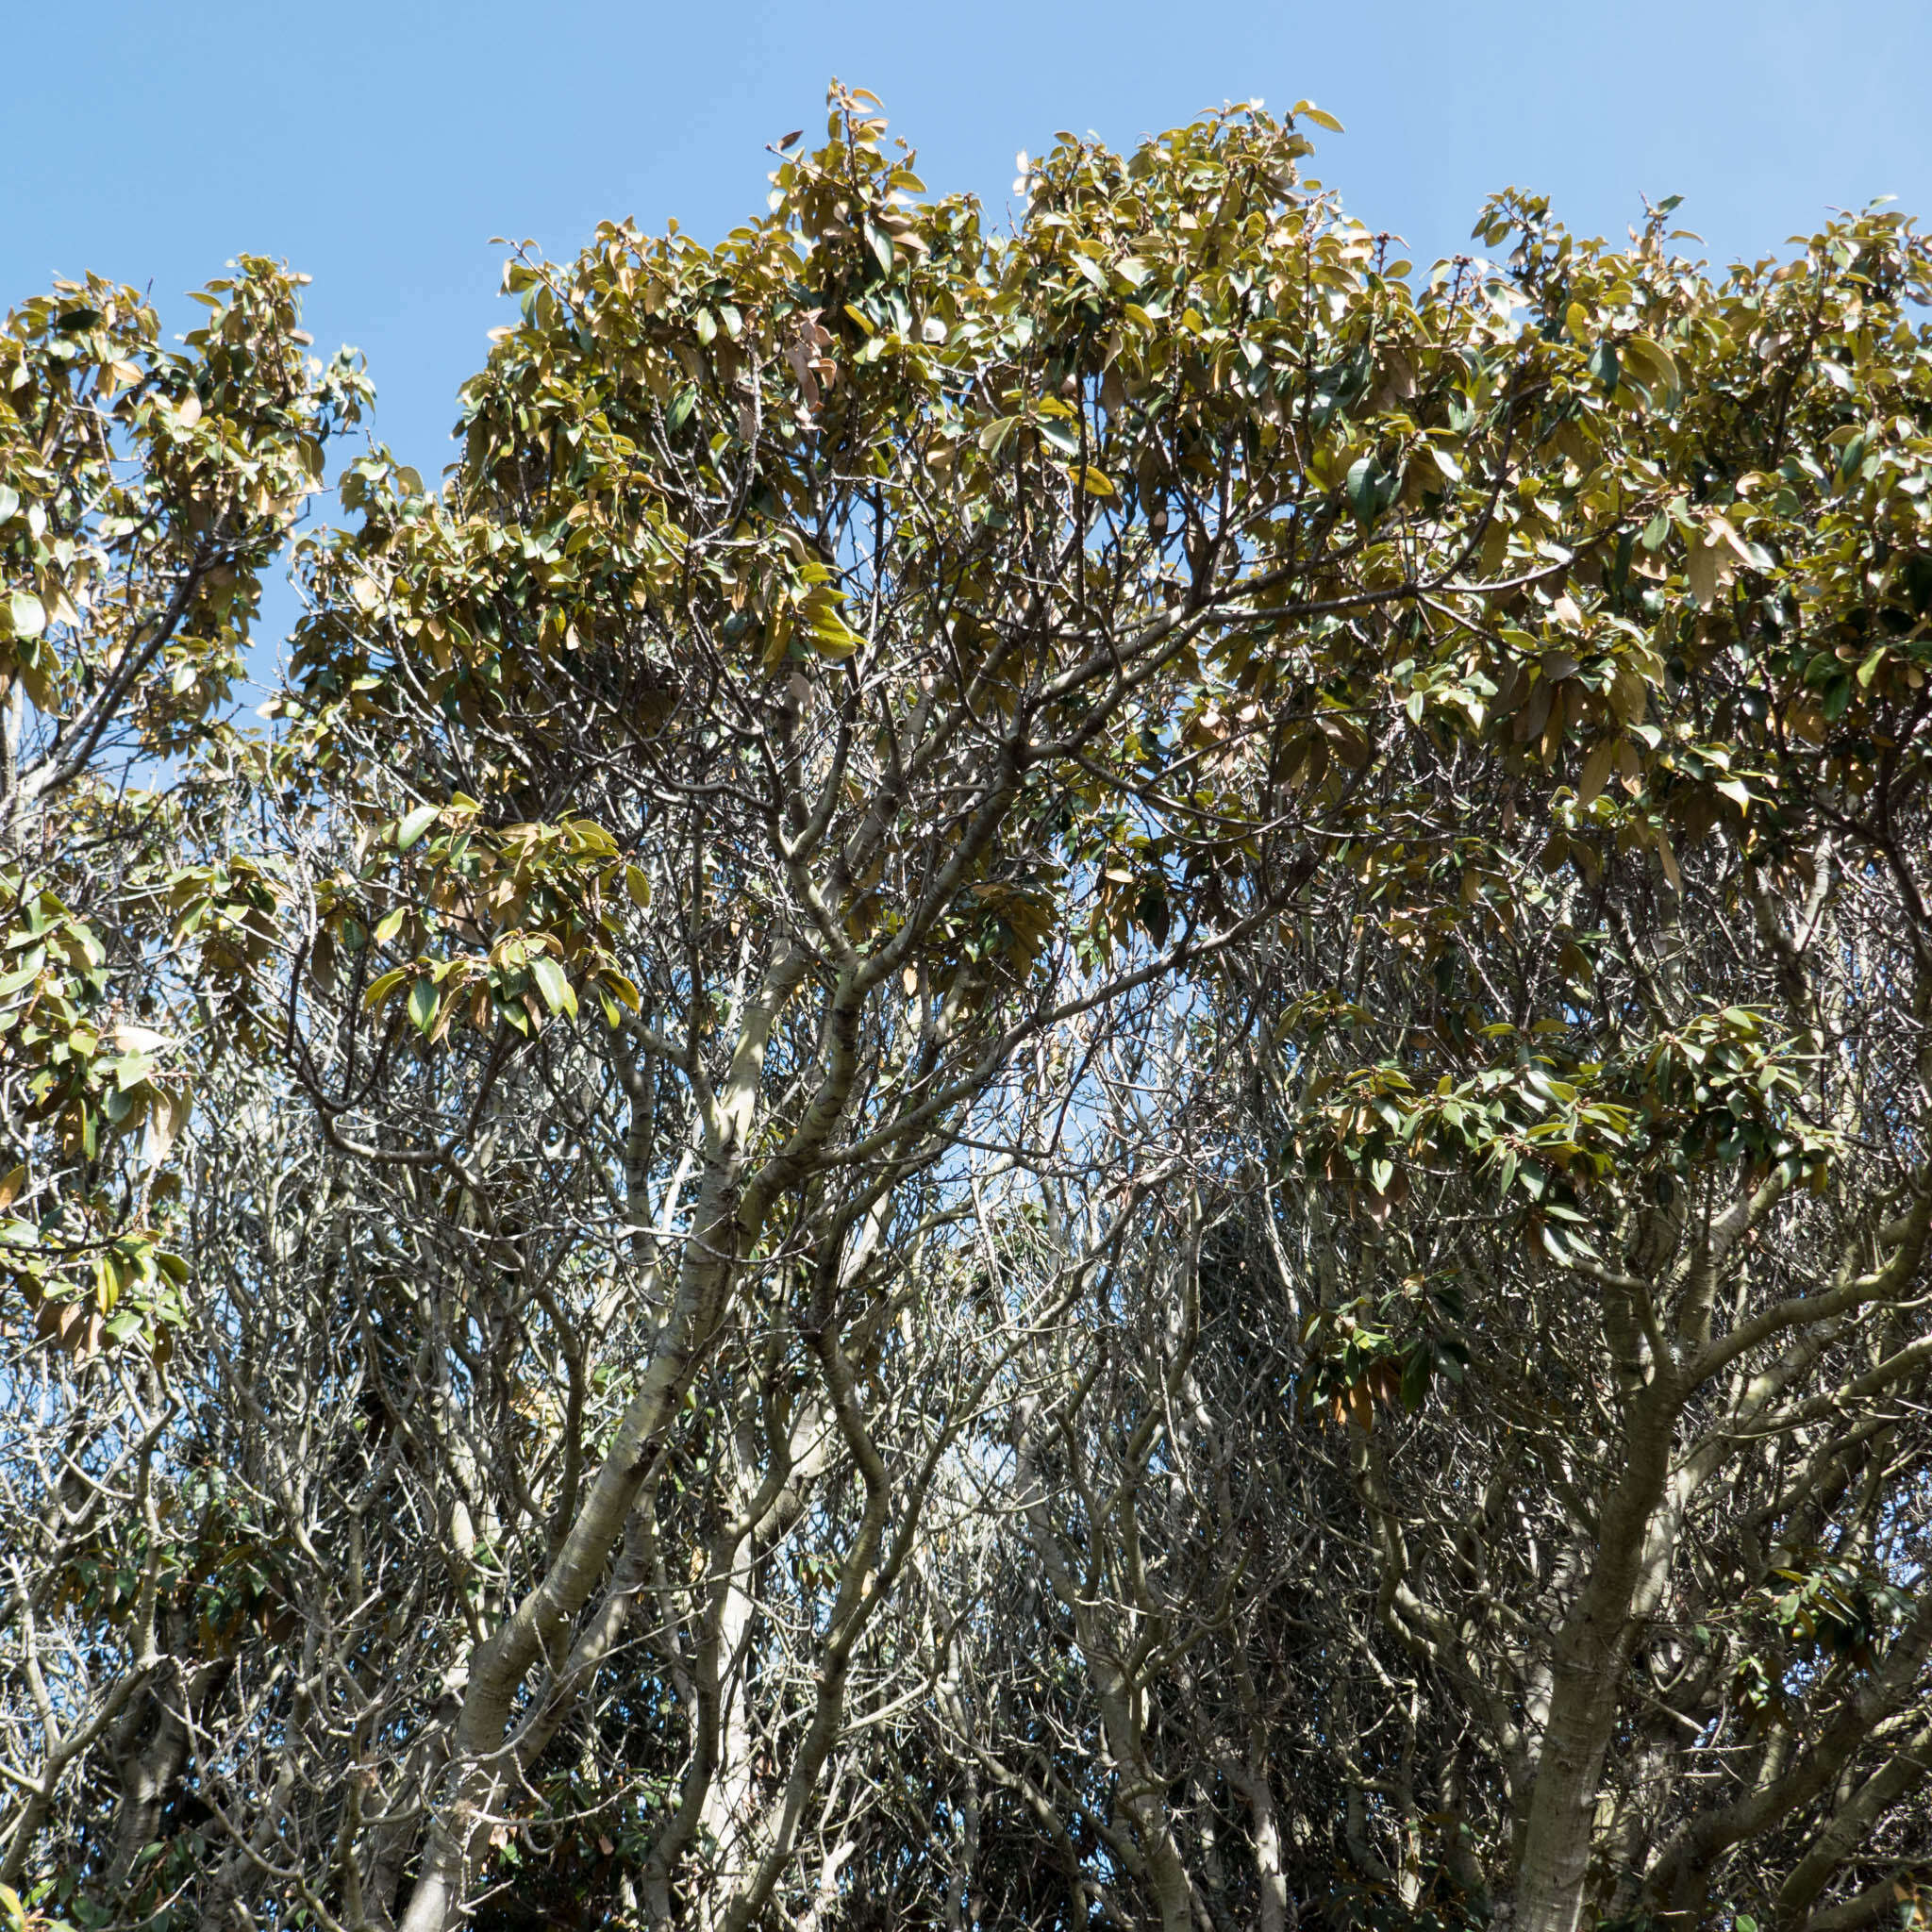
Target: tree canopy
(1064, 1076)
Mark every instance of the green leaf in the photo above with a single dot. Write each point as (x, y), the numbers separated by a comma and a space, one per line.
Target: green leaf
(1415, 1378)
(423, 1004)
(413, 826)
(1364, 492)
(553, 985)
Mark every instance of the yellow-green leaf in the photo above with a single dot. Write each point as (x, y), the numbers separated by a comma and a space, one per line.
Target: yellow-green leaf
(29, 614)
(383, 986)
(1656, 365)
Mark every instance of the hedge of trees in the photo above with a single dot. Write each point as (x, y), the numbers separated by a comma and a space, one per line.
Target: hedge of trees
(1051, 1078)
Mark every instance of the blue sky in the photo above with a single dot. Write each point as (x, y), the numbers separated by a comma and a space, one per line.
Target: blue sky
(379, 146)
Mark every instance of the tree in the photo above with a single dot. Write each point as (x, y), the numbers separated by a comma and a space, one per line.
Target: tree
(142, 493)
(1048, 1078)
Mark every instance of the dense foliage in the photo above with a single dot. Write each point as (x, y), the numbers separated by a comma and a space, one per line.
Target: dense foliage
(1050, 1078)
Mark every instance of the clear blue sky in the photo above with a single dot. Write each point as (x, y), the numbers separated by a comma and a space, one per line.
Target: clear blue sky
(377, 147)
